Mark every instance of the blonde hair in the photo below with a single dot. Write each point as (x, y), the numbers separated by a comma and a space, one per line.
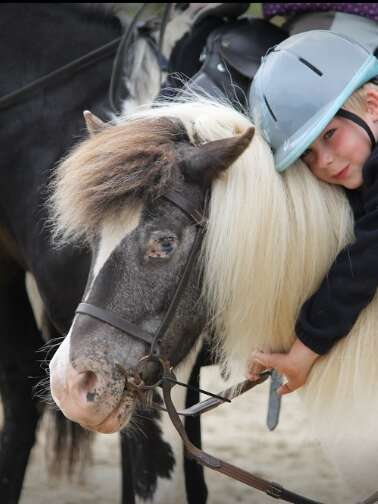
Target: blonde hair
(357, 101)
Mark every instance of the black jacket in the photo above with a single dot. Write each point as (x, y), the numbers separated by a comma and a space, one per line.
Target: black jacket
(330, 313)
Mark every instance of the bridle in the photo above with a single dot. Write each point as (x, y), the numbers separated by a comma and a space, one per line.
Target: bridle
(167, 379)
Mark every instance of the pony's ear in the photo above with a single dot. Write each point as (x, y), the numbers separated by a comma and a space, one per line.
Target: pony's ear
(203, 164)
(93, 123)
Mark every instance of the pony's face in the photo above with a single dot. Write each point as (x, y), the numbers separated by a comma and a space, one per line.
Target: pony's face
(139, 254)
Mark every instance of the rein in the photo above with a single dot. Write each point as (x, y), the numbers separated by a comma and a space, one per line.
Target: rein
(274, 490)
(270, 488)
(117, 46)
(55, 76)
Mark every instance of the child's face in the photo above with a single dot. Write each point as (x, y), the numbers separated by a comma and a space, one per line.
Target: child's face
(339, 153)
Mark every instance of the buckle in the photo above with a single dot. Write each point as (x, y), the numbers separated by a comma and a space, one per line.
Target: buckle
(275, 490)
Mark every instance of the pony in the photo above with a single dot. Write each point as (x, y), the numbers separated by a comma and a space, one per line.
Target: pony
(269, 241)
(36, 131)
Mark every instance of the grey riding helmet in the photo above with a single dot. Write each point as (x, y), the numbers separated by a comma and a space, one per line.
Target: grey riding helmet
(300, 86)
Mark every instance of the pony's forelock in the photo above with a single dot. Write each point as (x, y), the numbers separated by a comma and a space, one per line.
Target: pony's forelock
(110, 171)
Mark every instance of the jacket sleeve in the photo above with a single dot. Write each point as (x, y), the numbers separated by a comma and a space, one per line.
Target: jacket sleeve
(330, 313)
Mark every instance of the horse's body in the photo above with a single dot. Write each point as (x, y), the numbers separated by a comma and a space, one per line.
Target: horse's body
(269, 241)
(37, 39)
(34, 134)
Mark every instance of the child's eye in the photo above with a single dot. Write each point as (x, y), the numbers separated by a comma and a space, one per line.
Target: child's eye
(306, 153)
(329, 134)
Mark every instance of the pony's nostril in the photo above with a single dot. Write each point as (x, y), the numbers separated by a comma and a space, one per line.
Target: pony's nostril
(87, 385)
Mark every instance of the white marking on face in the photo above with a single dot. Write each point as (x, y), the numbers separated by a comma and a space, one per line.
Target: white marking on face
(58, 367)
(112, 233)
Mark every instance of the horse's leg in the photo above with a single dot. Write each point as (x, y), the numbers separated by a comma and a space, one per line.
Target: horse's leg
(19, 371)
(128, 496)
(196, 489)
(152, 461)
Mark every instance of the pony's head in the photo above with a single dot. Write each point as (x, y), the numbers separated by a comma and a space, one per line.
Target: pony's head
(269, 242)
(115, 191)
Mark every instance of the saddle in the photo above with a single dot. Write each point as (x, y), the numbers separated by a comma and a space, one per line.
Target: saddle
(232, 56)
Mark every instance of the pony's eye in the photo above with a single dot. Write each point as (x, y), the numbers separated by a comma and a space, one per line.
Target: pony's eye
(161, 247)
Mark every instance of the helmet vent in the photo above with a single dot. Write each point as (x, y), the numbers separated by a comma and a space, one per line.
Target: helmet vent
(269, 108)
(311, 67)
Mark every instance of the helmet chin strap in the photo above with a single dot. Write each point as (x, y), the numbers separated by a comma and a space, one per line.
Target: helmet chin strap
(356, 119)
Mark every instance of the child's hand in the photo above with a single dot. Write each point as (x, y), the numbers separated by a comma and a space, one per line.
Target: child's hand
(295, 365)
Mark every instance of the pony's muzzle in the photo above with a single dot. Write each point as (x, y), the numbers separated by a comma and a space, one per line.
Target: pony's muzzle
(87, 395)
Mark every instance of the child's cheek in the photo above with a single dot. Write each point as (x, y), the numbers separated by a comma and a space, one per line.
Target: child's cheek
(341, 142)
(346, 147)
(353, 147)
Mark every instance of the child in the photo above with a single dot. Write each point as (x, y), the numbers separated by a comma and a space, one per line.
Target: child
(313, 101)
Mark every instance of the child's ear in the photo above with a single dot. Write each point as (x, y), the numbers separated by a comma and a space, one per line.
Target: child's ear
(372, 103)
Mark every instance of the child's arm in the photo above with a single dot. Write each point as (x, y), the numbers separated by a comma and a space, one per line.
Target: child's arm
(295, 365)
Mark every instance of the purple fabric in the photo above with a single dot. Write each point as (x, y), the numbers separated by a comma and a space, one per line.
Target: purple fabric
(369, 10)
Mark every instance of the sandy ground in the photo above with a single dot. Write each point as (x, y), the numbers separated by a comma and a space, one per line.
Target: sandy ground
(236, 433)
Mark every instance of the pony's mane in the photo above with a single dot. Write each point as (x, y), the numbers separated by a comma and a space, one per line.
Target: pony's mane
(270, 239)
(114, 168)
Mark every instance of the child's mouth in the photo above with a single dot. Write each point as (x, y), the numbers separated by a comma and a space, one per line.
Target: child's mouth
(342, 173)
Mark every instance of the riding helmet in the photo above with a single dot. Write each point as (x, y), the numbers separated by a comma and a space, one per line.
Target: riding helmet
(300, 86)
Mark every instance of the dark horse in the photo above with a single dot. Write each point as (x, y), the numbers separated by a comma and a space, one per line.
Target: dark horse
(35, 132)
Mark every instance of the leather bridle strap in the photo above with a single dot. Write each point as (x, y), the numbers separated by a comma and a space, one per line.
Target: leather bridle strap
(189, 210)
(123, 47)
(116, 321)
(186, 206)
(270, 488)
(127, 40)
(118, 46)
(54, 77)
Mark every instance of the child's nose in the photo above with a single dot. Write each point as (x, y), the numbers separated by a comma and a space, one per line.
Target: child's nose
(325, 158)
